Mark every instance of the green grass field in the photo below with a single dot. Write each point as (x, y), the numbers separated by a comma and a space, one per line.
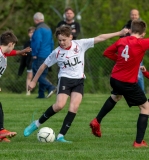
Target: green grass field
(118, 131)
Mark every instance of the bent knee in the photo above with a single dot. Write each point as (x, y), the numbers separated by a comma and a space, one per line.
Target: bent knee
(58, 106)
(116, 98)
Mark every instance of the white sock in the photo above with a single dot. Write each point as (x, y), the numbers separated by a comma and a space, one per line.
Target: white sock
(60, 135)
(37, 123)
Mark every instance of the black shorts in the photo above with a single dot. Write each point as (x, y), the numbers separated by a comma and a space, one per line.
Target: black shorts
(26, 62)
(132, 93)
(68, 85)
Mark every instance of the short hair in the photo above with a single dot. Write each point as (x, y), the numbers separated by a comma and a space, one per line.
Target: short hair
(63, 30)
(138, 26)
(31, 29)
(69, 8)
(38, 16)
(8, 37)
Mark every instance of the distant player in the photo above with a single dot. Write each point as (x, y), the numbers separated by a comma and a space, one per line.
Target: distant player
(7, 43)
(128, 53)
(70, 58)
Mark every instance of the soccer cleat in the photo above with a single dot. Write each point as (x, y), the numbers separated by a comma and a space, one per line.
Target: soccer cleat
(95, 126)
(61, 139)
(30, 129)
(138, 145)
(6, 133)
(4, 139)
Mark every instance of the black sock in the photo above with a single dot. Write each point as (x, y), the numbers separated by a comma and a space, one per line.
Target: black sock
(48, 113)
(107, 107)
(141, 127)
(1, 117)
(67, 122)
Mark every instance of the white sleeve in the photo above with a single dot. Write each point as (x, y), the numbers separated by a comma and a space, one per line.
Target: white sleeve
(51, 59)
(86, 43)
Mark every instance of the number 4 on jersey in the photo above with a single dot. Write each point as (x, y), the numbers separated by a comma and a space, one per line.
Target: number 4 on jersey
(125, 53)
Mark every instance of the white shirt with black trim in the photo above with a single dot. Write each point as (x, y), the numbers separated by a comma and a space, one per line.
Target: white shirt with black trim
(71, 61)
(3, 63)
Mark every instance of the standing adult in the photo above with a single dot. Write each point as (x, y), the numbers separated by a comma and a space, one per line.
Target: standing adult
(134, 15)
(42, 45)
(70, 21)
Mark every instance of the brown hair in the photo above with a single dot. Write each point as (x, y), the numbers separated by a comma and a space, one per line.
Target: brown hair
(31, 29)
(69, 8)
(8, 37)
(63, 30)
(138, 26)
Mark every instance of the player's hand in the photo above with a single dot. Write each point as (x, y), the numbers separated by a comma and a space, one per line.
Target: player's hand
(25, 51)
(31, 85)
(124, 31)
(142, 68)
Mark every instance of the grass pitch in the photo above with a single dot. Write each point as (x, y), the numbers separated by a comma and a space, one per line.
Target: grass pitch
(118, 131)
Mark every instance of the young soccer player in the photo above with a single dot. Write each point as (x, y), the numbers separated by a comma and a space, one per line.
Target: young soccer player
(7, 43)
(70, 58)
(128, 53)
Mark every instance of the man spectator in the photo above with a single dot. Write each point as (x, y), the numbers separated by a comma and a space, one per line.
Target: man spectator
(69, 20)
(42, 45)
(134, 15)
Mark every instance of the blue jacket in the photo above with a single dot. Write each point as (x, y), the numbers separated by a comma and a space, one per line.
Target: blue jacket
(42, 41)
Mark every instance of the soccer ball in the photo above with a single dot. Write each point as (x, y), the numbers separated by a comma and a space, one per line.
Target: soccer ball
(46, 134)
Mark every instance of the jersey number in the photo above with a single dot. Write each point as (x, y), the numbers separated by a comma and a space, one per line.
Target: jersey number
(125, 53)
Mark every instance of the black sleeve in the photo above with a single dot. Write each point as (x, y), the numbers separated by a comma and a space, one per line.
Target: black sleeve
(27, 44)
(59, 24)
(75, 35)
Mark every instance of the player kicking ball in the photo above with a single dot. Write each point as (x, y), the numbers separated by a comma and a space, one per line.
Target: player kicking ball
(7, 43)
(70, 58)
(128, 53)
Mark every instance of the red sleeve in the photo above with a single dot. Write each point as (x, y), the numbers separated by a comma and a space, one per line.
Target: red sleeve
(146, 74)
(111, 52)
(12, 53)
(145, 43)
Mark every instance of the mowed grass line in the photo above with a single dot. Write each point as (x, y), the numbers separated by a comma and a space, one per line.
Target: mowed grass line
(118, 131)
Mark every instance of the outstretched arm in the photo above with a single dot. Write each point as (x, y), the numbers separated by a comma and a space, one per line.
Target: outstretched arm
(35, 79)
(104, 37)
(144, 71)
(18, 52)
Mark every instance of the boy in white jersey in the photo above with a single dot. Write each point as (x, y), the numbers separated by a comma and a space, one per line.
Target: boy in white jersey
(70, 58)
(7, 43)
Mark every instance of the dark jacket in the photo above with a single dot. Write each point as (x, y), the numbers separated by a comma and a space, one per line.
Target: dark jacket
(73, 25)
(42, 41)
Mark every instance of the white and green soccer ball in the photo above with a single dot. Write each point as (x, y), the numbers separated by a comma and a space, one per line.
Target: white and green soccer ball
(46, 135)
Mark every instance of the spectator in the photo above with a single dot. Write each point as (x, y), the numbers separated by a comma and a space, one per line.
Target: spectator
(134, 15)
(42, 45)
(26, 61)
(69, 20)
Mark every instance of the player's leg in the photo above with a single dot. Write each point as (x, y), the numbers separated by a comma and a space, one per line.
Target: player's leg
(135, 96)
(60, 103)
(76, 87)
(75, 100)
(3, 132)
(142, 125)
(106, 108)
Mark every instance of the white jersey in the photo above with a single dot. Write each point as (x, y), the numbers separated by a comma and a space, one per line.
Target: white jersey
(70, 61)
(3, 63)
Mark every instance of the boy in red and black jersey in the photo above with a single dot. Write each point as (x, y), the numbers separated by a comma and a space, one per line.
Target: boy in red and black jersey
(128, 53)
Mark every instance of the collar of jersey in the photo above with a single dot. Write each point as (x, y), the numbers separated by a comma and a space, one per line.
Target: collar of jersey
(67, 47)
